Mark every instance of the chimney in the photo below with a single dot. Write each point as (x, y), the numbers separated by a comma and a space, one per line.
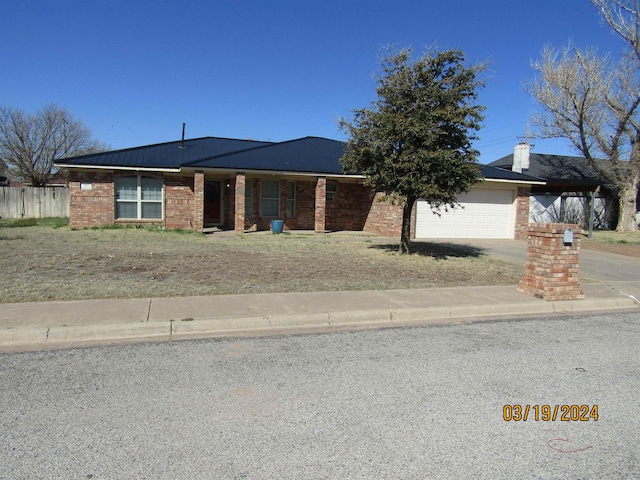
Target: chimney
(521, 157)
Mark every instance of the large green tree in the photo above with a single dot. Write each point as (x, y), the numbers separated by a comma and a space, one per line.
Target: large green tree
(31, 143)
(414, 141)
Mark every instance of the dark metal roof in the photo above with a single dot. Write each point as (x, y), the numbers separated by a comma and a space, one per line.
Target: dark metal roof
(308, 155)
(557, 169)
(304, 155)
(164, 155)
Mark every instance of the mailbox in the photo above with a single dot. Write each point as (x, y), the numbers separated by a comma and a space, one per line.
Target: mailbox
(567, 238)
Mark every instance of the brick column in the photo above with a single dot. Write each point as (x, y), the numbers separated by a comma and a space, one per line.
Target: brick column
(321, 204)
(552, 266)
(522, 212)
(198, 202)
(240, 195)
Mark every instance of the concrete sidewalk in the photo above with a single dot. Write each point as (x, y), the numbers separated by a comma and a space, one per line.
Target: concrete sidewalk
(53, 325)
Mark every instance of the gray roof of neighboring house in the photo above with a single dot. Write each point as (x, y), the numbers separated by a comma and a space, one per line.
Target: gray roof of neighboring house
(496, 173)
(556, 169)
(304, 155)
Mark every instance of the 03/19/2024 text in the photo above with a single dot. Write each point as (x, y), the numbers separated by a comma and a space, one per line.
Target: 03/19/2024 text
(550, 413)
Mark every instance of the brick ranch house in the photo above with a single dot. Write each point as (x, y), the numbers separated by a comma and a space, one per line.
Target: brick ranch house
(244, 184)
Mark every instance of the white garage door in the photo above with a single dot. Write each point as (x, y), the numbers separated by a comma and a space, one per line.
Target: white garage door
(486, 214)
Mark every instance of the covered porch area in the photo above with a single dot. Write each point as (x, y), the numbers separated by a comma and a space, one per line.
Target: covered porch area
(246, 202)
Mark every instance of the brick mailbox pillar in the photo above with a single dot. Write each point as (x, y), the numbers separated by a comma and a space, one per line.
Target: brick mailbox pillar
(552, 263)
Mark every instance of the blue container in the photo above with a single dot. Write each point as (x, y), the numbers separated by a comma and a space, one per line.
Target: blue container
(277, 226)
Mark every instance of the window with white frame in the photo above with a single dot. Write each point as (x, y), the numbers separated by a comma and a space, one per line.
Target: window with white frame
(138, 197)
(270, 198)
(291, 199)
(248, 198)
(332, 191)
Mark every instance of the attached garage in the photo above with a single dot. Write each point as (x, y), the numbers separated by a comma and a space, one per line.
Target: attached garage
(483, 213)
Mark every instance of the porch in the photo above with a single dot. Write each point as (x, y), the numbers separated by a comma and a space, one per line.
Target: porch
(249, 202)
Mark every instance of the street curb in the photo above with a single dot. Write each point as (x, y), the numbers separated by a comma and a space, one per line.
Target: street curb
(59, 337)
(110, 332)
(17, 337)
(572, 306)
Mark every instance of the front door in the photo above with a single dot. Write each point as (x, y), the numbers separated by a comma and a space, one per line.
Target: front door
(213, 202)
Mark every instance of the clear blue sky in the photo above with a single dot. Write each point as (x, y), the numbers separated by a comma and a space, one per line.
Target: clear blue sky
(134, 71)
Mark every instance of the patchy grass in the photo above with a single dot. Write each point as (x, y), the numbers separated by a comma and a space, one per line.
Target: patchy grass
(19, 222)
(54, 222)
(622, 243)
(10, 236)
(44, 263)
(616, 237)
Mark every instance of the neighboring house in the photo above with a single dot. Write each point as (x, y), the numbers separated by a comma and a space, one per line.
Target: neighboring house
(570, 184)
(243, 185)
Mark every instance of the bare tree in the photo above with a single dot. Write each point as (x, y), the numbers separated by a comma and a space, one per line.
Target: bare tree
(594, 102)
(29, 144)
(622, 16)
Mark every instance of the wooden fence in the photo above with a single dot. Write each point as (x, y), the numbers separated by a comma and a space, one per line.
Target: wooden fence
(34, 202)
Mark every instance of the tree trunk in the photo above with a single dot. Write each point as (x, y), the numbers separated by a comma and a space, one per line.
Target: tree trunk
(405, 236)
(627, 206)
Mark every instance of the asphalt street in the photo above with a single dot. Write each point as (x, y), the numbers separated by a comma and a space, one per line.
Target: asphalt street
(423, 403)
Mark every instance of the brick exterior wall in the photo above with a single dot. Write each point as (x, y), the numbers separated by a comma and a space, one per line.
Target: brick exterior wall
(384, 218)
(523, 202)
(552, 267)
(356, 208)
(93, 207)
(350, 209)
(178, 202)
(305, 207)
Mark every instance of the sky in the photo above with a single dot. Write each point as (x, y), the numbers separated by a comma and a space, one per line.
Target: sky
(134, 71)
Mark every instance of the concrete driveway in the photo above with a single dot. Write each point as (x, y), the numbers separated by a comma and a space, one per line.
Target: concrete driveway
(599, 266)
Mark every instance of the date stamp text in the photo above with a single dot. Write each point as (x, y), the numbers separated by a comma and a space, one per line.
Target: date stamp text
(550, 413)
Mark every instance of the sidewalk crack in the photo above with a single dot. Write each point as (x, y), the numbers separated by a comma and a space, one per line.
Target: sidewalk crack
(286, 307)
(149, 309)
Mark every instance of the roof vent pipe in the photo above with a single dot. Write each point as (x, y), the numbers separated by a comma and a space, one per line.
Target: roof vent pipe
(182, 143)
(521, 157)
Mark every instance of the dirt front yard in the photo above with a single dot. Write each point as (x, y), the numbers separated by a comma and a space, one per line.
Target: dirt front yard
(43, 263)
